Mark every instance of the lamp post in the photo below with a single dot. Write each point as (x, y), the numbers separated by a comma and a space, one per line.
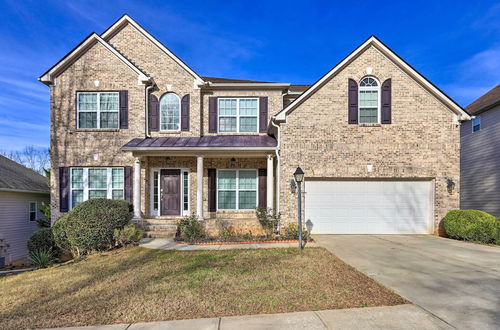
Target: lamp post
(299, 177)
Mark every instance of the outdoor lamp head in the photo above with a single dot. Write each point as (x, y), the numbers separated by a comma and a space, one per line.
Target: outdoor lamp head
(298, 175)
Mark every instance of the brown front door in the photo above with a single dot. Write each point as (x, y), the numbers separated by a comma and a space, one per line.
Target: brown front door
(170, 192)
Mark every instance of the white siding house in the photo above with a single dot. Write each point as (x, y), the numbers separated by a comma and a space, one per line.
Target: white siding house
(22, 192)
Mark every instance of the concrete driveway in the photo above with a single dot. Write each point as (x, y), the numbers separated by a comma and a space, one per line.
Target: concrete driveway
(457, 282)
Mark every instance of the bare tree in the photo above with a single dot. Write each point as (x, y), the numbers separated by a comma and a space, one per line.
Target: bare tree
(38, 159)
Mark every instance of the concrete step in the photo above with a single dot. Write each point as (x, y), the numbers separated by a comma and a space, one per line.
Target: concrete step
(169, 228)
(160, 234)
(158, 221)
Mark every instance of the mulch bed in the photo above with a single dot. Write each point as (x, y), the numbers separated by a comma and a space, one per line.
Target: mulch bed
(239, 242)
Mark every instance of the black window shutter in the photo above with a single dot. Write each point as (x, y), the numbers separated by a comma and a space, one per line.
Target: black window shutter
(353, 102)
(64, 189)
(212, 190)
(386, 102)
(185, 113)
(263, 114)
(123, 109)
(128, 183)
(154, 115)
(212, 115)
(262, 187)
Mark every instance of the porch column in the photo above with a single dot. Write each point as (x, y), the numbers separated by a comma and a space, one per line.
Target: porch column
(137, 189)
(199, 187)
(270, 181)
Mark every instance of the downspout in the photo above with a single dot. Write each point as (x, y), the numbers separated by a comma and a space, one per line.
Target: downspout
(147, 108)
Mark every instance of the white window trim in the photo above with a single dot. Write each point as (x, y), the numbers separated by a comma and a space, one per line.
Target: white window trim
(472, 126)
(379, 99)
(36, 211)
(157, 213)
(238, 113)
(109, 182)
(98, 109)
(180, 113)
(237, 190)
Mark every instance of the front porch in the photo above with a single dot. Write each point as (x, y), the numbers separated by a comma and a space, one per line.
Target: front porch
(217, 184)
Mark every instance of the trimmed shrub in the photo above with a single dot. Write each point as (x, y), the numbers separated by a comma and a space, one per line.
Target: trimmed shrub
(268, 220)
(59, 232)
(291, 231)
(472, 225)
(42, 239)
(41, 258)
(129, 235)
(190, 229)
(90, 226)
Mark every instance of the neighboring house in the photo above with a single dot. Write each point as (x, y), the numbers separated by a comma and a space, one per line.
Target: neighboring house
(22, 192)
(480, 155)
(377, 141)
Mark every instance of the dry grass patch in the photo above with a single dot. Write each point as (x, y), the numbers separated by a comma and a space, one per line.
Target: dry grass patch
(140, 285)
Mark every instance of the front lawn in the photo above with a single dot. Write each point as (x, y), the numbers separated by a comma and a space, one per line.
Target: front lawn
(140, 285)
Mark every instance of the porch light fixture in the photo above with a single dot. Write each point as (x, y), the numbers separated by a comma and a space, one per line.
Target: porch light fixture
(167, 159)
(450, 184)
(233, 162)
(299, 177)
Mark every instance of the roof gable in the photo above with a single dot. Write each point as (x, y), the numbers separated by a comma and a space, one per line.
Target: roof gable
(375, 42)
(125, 19)
(16, 177)
(48, 77)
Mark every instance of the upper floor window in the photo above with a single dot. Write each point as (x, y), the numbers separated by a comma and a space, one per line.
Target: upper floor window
(476, 124)
(238, 114)
(98, 110)
(170, 116)
(369, 101)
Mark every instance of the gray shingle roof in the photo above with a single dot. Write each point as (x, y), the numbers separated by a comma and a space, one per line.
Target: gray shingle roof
(14, 176)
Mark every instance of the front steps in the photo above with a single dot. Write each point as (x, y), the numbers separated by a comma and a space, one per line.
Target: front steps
(159, 227)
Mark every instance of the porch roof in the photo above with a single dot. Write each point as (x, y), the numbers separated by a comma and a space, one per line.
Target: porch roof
(212, 142)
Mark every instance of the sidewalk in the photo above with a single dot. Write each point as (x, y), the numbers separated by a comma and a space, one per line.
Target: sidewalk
(170, 244)
(403, 317)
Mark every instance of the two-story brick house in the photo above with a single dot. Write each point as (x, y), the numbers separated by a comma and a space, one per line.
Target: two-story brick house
(378, 142)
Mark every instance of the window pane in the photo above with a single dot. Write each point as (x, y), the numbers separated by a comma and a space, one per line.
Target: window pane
(248, 124)
(109, 101)
(87, 120)
(368, 99)
(186, 189)
(227, 180)
(98, 178)
(170, 112)
(248, 107)
(97, 194)
(368, 82)
(32, 207)
(155, 190)
(77, 178)
(117, 177)
(227, 107)
(77, 197)
(227, 124)
(227, 200)
(368, 116)
(248, 180)
(87, 101)
(117, 194)
(247, 199)
(109, 119)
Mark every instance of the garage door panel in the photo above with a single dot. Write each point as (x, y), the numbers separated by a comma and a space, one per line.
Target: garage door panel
(368, 207)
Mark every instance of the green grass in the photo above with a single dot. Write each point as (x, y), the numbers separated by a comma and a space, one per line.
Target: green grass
(141, 285)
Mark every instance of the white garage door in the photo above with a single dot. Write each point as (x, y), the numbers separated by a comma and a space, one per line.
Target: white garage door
(369, 207)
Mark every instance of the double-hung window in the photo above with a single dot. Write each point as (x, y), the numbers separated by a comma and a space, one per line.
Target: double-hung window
(96, 182)
(238, 114)
(476, 124)
(98, 110)
(237, 189)
(369, 102)
(33, 211)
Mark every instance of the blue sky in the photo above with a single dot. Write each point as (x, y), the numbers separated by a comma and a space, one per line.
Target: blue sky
(455, 44)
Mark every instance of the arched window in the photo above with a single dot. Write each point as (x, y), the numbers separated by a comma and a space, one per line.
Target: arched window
(170, 112)
(369, 101)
